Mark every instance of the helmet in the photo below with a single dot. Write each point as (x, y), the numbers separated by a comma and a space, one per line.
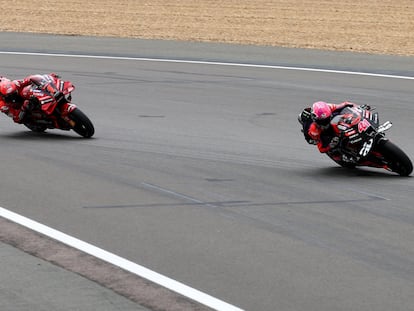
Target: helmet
(8, 90)
(321, 114)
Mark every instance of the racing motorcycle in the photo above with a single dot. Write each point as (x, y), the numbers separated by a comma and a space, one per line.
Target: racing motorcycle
(361, 141)
(53, 108)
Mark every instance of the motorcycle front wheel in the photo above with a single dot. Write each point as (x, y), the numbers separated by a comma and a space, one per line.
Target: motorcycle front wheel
(83, 126)
(397, 160)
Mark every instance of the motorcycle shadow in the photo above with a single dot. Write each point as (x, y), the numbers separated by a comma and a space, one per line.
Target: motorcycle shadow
(30, 136)
(359, 171)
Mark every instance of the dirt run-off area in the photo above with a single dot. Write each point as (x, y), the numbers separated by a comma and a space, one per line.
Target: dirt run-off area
(373, 26)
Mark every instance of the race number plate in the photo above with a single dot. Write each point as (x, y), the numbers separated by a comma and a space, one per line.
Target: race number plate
(366, 148)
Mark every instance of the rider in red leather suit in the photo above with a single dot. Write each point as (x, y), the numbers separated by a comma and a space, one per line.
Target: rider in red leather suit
(16, 97)
(316, 124)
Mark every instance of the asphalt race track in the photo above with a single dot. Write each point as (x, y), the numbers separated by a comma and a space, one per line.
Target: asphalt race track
(198, 171)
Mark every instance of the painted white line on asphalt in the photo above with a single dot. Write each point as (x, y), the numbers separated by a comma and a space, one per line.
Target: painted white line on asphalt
(211, 63)
(118, 261)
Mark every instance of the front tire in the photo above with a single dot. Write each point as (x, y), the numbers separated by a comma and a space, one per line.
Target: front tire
(83, 126)
(397, 160)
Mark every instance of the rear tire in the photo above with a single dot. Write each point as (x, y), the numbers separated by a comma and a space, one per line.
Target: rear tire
(83, 126)
(397, 160)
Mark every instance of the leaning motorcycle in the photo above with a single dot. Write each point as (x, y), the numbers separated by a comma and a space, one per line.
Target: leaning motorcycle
(362, 142)
(53, 108)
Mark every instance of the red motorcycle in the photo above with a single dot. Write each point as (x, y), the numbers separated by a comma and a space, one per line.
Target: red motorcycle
(362, 142)
(53, 108)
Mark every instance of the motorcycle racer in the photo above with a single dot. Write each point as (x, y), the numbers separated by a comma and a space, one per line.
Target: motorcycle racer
(353, 137)
(316, 124)
(16, 96)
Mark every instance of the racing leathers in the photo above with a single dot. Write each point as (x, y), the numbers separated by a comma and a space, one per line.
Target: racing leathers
(324, 138)
(21, 101)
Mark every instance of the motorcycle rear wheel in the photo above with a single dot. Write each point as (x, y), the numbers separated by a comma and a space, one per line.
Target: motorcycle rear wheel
(397, 160)
(83, 126)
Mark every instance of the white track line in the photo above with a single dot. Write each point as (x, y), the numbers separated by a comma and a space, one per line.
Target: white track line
(123, 263)
(210, 63)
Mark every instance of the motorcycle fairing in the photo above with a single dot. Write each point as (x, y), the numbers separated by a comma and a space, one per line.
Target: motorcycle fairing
(357, 129)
